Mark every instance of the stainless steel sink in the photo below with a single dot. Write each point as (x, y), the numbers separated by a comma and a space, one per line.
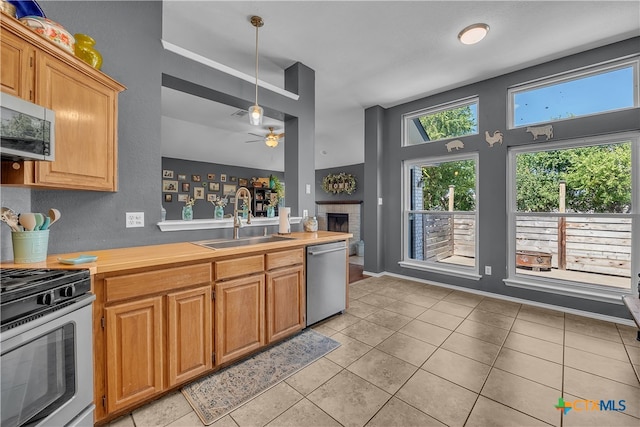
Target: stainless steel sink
(221, 244)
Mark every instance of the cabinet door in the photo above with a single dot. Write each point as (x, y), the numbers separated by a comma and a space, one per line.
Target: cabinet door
(86, 117)
(239, 307)
(17, 71)
(189, 323)
(285, 302)
(134, 352)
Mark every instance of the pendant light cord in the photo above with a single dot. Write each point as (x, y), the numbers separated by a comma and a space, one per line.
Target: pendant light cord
(257, 64)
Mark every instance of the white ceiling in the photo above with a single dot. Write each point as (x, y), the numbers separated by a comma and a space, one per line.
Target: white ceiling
(364, 53)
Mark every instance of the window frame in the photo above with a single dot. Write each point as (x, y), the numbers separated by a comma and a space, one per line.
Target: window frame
(566, 287)
(408, 118)
(573, 75)
(442, 268)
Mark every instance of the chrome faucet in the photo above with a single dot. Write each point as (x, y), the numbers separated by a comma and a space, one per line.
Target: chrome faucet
(237, 222)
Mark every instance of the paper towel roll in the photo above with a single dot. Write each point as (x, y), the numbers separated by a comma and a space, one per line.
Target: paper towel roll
(285, 226)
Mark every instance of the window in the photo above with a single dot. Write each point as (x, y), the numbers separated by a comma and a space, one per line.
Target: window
(440, 214)
(445, 121)
(592, 91)
(573, 220)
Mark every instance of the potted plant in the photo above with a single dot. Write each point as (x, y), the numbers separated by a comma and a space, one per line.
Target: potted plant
(278, 187)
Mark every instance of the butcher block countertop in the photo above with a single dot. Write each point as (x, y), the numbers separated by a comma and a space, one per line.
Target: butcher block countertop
(140, 257)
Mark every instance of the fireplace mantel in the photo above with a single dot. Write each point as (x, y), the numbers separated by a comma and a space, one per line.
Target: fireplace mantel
(340, 202)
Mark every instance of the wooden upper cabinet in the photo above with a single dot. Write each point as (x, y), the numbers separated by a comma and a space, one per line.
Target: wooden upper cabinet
(17, 71)
(86, 105)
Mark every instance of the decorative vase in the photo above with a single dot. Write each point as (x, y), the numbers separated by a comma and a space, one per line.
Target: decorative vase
(84, 50)
(187, 213)
(218, 212)
(271, 211)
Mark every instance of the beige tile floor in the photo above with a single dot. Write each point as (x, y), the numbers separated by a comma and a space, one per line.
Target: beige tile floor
(421, 355)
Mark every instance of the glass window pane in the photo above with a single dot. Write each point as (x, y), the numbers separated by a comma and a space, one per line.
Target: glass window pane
(574, 97)
(587, 250)
(442, 221)
(595, 179)
(442, 123)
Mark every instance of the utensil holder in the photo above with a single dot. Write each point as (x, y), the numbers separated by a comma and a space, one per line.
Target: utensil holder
(30, 246)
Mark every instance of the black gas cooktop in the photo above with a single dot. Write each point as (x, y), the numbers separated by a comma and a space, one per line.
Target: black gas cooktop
(26, 291)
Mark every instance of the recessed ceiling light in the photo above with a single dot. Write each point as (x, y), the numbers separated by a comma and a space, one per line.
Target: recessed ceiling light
(473, 33)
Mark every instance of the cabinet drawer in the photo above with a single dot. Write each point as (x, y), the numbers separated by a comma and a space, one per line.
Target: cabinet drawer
(285, 258)
(239, 267)
(135, 285)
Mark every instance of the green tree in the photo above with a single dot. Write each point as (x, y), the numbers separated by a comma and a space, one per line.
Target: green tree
(449, 123)
(598, 179)
(436, 181)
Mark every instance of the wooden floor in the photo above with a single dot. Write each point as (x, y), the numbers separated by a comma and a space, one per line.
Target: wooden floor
(355, 273)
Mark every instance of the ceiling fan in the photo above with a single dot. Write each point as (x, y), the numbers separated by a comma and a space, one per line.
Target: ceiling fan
(271, 139)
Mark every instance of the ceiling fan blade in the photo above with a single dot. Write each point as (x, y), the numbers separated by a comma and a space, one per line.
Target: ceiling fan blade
(255, 140)
(280, 135)
(255, 134)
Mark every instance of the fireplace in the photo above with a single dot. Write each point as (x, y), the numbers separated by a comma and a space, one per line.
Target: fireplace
(338, 222)
(343, 216)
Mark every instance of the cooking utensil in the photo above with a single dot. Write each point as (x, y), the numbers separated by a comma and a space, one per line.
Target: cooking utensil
(28, 221)
(10, 218)
(54, 215)
(39, 221)
(45, 225)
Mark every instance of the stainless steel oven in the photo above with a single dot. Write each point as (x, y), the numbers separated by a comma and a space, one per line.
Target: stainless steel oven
(46, 357)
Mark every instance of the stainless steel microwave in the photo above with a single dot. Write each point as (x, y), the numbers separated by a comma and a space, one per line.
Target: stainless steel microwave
(27, 130)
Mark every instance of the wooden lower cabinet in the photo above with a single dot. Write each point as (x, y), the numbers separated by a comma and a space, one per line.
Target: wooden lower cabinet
(189, 350)
(286, 307)
(239, 324)
(134, 344)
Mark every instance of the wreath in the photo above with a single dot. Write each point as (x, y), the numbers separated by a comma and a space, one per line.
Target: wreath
(339, 183)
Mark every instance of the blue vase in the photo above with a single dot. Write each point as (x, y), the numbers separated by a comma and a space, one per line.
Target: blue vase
(271, 211)
(187, 213)
(218, 212)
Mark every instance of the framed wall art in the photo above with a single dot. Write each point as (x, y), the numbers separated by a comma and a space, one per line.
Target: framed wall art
(182, 177)
(233, 179)
(243, 182)
(211, 176)
(168, 198)
(170, 186)
(223, 177)
(185, 187)
(183, 197)
(214, 186)
(198, 193)
(167, 173)
(229, 189)
(196, 178)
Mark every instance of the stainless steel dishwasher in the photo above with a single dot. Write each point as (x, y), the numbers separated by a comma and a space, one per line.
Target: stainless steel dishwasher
(326, 280)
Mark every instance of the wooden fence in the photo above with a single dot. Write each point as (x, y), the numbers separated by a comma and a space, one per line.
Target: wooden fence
(593, 245)
(447, 235)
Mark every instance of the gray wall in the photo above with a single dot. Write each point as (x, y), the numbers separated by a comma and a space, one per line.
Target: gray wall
(356, 170)
(203, 209)
(492, 210)
(128, 35)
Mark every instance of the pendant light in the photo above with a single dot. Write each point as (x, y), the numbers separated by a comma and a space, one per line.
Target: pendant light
(255, 111)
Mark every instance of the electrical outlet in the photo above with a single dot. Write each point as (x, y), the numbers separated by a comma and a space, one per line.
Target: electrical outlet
(307, 188)
(487, 270)
(305, 213)
(379, 201)
(135, 219)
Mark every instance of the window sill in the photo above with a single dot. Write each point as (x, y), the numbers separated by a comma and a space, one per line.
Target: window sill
(592, 293)
(207, 224)
(468, 274)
